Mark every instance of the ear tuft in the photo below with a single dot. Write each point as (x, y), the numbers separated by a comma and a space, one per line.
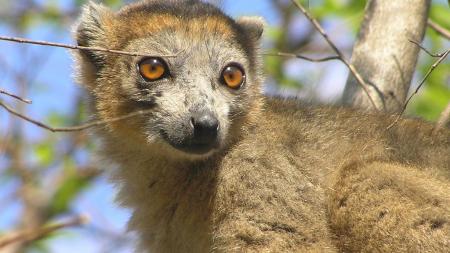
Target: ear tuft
(91, 30)
(254, 26)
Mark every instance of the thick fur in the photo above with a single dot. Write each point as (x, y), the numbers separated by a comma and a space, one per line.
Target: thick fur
(285, 177)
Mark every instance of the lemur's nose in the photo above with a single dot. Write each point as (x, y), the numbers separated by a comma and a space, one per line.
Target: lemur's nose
(206, 126)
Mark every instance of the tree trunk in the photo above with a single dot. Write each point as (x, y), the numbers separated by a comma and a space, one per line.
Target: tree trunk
(383, 54)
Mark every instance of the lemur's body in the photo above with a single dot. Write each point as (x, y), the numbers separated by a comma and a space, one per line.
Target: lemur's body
(217, 167)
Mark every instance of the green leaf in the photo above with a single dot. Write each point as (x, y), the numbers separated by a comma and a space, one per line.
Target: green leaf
(440, 13)
(56, 119)
(45, 153)
(72, 185)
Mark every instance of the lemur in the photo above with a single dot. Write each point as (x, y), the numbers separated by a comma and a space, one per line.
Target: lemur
(215, 166)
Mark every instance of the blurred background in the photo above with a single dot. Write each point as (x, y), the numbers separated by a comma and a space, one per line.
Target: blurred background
(49, 178)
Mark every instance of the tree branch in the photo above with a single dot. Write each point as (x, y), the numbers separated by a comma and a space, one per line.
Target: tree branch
(72, 47)
(439, 29)
(426, 50)
(442, 56)
(383, 55)
(32, 235)
(435, 64)
(298, 56)
(340, 55)
(15, 97)
(74, 128)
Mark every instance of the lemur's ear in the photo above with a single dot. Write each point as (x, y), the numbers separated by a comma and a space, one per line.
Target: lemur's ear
(254, 26)
(92, 29)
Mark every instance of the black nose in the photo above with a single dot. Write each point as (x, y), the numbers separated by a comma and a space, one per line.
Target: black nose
(206, 126)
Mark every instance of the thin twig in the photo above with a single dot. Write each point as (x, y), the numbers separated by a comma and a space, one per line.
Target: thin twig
(439, 29)
(444, 119)
(329, 58)
(32, 235)
(426, 50)
(74, 128)
(15, 96)
(350, 66)
(430, 70)
(72, 47)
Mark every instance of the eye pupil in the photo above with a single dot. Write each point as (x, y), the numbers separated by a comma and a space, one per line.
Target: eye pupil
(233, 76)
(153, 69)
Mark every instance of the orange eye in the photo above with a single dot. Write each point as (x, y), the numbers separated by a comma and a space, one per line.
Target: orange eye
(153, 69)
(233, 76)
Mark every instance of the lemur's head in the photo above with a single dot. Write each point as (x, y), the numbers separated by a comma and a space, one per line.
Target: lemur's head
(200, 82)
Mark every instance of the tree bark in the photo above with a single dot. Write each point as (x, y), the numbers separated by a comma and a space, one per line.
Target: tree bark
(383, 54)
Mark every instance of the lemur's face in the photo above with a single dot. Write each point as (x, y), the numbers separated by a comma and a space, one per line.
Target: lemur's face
(194, 96)
(198, 83)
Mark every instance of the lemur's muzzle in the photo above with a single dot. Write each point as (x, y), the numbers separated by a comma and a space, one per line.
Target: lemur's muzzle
(205, 127)
(197, 134)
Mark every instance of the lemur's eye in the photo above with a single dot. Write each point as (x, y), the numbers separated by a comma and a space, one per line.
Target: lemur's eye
(233, 76)
(153, 69)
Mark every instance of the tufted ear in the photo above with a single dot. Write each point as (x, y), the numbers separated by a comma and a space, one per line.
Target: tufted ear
(92, 28)
(253, 26)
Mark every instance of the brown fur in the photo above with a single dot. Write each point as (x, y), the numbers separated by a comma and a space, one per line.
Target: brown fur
(288, 177)
(339, 183)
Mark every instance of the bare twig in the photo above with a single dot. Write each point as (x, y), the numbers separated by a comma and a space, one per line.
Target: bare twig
(329, 58)
(439, 29)
(444, 119)
(72, 47)
(15, 96)
(350, 66)
(32, 235)
(74, 128)
(442, 56)
(426, 50)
